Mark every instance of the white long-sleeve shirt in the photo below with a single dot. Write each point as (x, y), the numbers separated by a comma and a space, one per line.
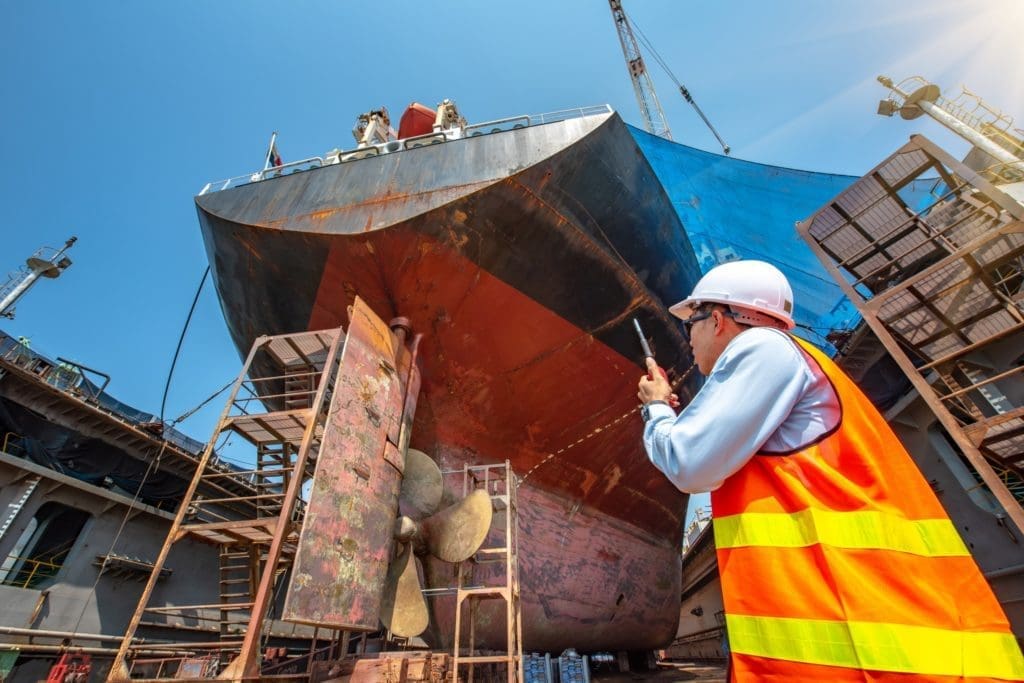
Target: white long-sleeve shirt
(761, 395)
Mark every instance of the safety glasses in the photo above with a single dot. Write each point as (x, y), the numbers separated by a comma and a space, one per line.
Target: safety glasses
(695, 318)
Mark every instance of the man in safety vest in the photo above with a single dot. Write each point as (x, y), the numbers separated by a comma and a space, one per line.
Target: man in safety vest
(837, 561)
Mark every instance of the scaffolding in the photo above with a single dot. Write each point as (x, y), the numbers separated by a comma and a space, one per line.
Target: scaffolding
(257, 533)
(941, 284)
(490, 575)
(328, 414)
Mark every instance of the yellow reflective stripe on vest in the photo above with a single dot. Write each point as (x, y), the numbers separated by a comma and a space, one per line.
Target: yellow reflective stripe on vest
(878, 646)
(865, 530)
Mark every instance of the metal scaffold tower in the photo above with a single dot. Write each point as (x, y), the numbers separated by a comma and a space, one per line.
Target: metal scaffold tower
(941, 284)
(491, 575)
(308, 539)
(278, 404)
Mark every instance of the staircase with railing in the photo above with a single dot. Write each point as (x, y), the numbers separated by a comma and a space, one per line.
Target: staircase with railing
(279, 405)
(942, 287)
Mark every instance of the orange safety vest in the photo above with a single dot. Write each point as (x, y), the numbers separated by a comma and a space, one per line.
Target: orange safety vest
(839, 564)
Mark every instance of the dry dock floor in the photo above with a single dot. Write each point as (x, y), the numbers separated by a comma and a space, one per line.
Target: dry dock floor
(667, 672)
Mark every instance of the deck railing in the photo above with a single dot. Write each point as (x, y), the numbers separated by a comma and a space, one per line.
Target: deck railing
(73, 379)
(392, 146)
(37, 569)
(272, 172)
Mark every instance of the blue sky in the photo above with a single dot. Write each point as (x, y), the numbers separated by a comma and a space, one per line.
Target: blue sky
(117, 113)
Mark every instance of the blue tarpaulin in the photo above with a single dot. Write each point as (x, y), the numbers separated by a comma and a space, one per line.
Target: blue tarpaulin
(734, 209)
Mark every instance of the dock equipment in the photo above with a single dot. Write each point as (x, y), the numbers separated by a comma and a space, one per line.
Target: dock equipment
(646, 97)
(942, 287)
(476, 584)
(320, 408)
(46, 262)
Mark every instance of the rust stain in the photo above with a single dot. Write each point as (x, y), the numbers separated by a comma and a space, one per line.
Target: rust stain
(612, 478)
(324, 214)
(589, 479)
(251, 250)
(458, 240)
(388, 199)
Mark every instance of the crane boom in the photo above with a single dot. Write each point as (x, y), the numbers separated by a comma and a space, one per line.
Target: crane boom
(650, 108)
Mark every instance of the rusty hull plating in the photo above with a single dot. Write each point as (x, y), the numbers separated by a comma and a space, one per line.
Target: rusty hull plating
(521, 257)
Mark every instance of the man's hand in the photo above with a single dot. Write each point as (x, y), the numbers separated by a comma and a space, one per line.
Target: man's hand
(653, 386)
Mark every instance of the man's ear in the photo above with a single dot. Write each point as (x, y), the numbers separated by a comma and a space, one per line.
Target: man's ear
(719, 318)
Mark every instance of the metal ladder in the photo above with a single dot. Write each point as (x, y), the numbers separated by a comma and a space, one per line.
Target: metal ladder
(1002, 406)
(940, 287)
(28, 486)
(279, 404)
(500, 548)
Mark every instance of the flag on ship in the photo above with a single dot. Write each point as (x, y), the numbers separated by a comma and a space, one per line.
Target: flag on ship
(273, 157)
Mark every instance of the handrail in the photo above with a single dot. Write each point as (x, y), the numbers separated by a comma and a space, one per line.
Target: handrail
(67, 377)
(517, 121)
(53, 562)
(265, 174)
(566, 114)
(7, 439)
(75, 364)
(392, 146)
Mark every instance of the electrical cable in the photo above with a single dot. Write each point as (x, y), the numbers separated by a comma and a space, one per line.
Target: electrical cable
(181, 338)
(682, 88)
(192, 411)
(153, 463)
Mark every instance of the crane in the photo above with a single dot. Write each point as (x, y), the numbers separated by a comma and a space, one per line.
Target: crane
(46, 262)
(650, 107)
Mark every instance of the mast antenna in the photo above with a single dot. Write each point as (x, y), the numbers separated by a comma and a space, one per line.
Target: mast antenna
(968, 116)
(44, 263)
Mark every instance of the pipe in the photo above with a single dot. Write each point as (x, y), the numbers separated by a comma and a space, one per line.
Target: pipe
(1005, 571)
(971, 135)
(61, 649)
(40, 633)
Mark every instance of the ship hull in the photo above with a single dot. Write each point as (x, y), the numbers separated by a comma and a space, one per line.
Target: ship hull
(521, 257)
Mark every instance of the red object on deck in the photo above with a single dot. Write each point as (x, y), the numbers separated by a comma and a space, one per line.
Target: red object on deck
(70, 668)
(418, 119)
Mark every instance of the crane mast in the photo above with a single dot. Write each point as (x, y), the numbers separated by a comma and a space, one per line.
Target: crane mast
(44, 263)
(650, 108)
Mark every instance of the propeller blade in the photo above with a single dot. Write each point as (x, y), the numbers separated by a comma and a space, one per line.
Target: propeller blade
(403, 609)
(421, 485)
(455, 533)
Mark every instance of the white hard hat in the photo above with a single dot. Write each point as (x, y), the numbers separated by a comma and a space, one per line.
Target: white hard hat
(752, 285)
